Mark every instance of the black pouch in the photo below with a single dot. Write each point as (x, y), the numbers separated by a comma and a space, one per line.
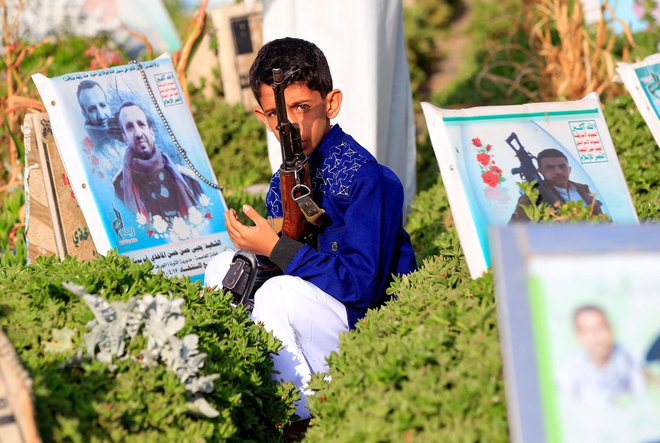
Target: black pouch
(247, 273)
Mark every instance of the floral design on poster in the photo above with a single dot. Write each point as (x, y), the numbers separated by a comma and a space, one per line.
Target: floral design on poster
(491, 175)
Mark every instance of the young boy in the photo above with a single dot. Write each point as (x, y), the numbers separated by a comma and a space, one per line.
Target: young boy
(362, 243)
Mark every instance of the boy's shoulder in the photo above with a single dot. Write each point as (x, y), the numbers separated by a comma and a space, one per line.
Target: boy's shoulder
(339, 160)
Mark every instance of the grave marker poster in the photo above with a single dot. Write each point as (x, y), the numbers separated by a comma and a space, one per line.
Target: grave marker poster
(484, 152)
(642, 81)
(578, 309)
(137, 166)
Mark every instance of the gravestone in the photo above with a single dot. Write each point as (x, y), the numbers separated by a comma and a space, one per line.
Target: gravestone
(54, 222)
(239, 37)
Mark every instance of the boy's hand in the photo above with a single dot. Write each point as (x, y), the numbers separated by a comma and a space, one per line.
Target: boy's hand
(260, 238)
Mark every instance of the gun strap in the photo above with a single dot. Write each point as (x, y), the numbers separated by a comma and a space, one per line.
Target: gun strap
(312, 212)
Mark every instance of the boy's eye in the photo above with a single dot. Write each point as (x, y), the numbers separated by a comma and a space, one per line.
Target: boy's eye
(302, 107)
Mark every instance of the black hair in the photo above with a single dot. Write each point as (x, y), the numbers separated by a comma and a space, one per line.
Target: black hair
(550, 153)
(87, 84)
(589, 308)
(301, 61)
(127, 104)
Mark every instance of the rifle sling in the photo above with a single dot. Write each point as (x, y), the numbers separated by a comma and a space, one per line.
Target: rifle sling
(312, 212)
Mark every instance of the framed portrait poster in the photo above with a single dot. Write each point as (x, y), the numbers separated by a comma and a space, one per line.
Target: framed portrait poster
(642, 81)
(137, 166)
(484, 152)
(578, 309)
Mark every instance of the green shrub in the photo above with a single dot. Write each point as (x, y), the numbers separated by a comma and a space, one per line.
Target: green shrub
(638, 154)
(89, 402)
(11, 253)
(429, 217)
(235, 143)
(424, 368)
(424, 22)
(427, 367)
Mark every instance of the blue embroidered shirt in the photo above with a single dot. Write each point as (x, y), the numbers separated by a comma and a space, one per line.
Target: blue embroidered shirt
(362, 241)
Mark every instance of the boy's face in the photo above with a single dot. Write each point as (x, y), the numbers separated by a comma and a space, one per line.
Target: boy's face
(305, 107)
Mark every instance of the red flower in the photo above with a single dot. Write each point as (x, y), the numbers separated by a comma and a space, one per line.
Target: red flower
(95, 160)
(484, 159)
(208, 215)
(490, 178)
(496, 170)
(488, 147)
(150, 232)
(476, 142)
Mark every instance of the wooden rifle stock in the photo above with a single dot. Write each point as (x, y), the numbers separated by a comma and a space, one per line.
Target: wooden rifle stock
(295, 224)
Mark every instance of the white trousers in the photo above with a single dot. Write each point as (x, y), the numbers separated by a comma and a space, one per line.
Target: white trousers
(307, 321)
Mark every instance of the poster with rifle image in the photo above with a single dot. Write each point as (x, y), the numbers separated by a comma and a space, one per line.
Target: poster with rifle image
(137, 166)
(486, 153)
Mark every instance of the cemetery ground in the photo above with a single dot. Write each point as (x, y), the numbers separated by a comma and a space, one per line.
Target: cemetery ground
(425, 367)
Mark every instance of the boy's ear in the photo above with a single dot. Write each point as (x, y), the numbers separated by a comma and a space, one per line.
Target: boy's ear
(261, 116)
(333, 103)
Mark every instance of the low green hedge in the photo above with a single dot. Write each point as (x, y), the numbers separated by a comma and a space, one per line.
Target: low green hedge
(424, 368)
(638, 154)
(91, 402)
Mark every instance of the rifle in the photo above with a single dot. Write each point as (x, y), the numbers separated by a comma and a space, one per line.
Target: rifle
(527, 171)
(301, 214)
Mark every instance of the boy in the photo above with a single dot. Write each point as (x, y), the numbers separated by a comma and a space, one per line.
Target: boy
(324, 290)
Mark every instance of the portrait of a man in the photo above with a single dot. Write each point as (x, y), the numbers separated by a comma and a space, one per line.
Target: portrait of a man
(101, 145)
(553, 166)
(149, 182)
(603, 371)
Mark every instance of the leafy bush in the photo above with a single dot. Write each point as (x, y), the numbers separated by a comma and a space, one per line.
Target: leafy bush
(89, 402)
(12, 241)
(429, 218)
(425, 21)
(638, 154)
(427, 367)
(424, 368)
(235, 143)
